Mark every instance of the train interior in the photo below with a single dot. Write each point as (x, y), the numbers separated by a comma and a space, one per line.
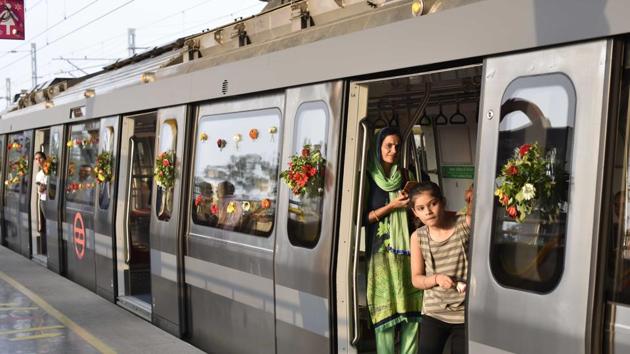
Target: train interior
(134, 287)
(437, 114)
(38, 220)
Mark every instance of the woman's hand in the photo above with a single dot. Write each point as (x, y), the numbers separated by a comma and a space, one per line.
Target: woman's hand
(444, 281)
(400, 202)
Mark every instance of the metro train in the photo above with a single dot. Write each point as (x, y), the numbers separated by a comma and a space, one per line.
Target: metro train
(164, 193)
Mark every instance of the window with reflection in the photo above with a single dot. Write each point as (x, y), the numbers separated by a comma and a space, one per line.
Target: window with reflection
(533, 171)
(16, 178)
(82, 149)
(53, 163)
(107, 151)
(168, 142)
(304, 219)
(236, 171)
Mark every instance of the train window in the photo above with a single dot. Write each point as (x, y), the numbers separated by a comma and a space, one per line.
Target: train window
(82, 149)
(236, 171)
(105, 190)
(17, 163)
(305, 211)
(53, 157)
(533, 170)
(168, 142)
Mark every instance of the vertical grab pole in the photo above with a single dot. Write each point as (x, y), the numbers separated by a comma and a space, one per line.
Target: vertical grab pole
(127, 212)
(357, 238)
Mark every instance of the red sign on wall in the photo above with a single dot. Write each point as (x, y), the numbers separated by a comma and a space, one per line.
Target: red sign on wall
(11, 19)
(79, 236)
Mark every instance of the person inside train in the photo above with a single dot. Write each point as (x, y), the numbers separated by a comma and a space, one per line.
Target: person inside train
(393, 302)
(41, 180)
(439, 266)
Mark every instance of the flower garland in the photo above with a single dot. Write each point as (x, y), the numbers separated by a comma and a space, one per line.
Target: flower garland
(526, 184)
(305, 173)
(103, 167)
(49, 166)
(164, 171)
(17, 170)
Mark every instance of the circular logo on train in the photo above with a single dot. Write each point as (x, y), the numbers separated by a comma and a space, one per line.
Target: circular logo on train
(79, 236)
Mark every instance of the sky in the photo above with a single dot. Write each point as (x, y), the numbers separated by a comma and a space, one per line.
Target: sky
(75, 37)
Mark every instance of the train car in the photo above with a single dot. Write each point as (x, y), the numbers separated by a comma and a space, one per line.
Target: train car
(165, 194)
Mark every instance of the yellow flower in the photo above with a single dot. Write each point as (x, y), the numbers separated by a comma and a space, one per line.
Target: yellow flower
(231, 207)
(70, 143)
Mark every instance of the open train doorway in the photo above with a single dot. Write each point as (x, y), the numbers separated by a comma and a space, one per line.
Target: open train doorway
(39, 194)
(134, 214)
(436, 114)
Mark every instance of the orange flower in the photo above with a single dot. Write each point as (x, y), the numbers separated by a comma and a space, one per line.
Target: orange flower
(265, 203)
(253, 134)
(512, 211)
(505, 199)
(165, 163)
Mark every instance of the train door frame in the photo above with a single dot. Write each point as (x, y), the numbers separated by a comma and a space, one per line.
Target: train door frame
(168, 224)
(105, 210)
(38, 241)
(497, 325)
(53, 207)
(128, 131)
(3, 151)
(303, 259)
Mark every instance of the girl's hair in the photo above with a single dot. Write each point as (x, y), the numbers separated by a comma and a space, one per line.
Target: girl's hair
(426, 186)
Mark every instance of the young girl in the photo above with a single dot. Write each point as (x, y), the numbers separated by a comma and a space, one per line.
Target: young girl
(439, 266)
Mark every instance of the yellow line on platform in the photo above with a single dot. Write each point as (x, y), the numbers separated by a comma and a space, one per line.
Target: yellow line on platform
(9, 304)
(31, 329)
(87, 336)
(36, 336)
(17, 308)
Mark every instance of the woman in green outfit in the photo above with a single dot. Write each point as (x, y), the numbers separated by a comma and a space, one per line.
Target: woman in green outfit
(392, 300)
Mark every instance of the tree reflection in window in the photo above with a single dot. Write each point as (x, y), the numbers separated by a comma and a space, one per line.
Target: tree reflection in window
(236, 171)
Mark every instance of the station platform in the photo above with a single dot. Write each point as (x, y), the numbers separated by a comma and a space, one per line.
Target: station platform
(43, 312)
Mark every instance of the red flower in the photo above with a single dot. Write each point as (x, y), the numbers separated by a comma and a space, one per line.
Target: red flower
(511, 170)
(312, 171)
(512, 211)
(505, 200)
(265, 203)
(524, 149)
(214, 209)
(198, 200)
(165, 163)
(306, 152)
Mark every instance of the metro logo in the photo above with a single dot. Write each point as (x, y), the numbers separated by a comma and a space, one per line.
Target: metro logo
(79, 236)
(11, 19)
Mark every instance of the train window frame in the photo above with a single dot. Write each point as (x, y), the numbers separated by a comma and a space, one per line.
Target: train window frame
(167, 142)
(23, 140)
(553, 234)
(105, 188)
(70, 187)
(55, 143)
(259, 126)
(299, 239)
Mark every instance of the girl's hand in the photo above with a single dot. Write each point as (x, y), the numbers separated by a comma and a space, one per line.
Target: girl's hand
(401, 201)
(444, 281)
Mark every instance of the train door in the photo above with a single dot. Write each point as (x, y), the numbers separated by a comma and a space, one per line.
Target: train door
(305, 238)
(54, 195)
(167, 222)
(3, 143)
(532, 268)
(104, 224)
(17, 192)
(230, 243)
(133, 213)
(78, 204)
(38, 196)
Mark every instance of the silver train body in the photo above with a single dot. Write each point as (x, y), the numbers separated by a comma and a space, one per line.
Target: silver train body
(227, 257)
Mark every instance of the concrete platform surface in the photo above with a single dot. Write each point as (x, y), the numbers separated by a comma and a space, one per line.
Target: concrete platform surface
(43, 312)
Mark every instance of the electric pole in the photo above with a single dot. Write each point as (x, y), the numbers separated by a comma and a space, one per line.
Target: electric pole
(34, 63)
(131, 40)
(8, 86)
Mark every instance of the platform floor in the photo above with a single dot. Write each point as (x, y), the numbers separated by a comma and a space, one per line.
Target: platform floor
(42, 312)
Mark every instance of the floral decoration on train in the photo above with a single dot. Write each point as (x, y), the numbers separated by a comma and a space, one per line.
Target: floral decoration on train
(14, 146)
(305, 175)
(527, 184)
(164, 172)
(103, 167)
(82, 143)
(49, 166)
(76, 187)
(17, 169)
(253, 134)
(203, 137)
